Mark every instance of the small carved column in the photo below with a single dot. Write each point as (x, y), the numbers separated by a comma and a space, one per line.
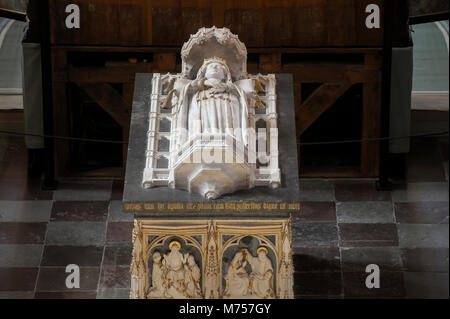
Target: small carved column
(138, 268)
(212, 275)
(286, 267)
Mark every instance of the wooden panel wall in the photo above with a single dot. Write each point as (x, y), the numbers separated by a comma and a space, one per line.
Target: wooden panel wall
(259, 23)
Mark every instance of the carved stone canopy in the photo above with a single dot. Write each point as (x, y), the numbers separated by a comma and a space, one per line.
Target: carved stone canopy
(209, 42)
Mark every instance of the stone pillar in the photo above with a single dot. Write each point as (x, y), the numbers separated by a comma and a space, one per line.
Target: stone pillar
(138, 265)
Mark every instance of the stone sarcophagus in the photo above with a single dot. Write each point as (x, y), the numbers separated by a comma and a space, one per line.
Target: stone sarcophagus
(212, 177)
(212, 128)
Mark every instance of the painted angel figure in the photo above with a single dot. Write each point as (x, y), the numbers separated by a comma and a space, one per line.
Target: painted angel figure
(211, 103)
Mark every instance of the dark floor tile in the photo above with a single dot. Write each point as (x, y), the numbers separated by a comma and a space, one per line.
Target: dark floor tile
(317, 284)
(18, 279)
(65, 255)
(391, 285)
(422, 212)
(115, 277)
(15, 161)
(365, 212)
(117, 190)
(116, 213)
(315, 212)
(425, 259)
(316, 259)
(76, 233)
(54, 278)
(16, 169)
(420, 192)
(35, 191)
(428, 121)
(17, 294)
(368, 235)
(93, 211)
(426, 285)
(356, 191)
(66, 295)
(119, 233)
(117, 255)
(423, 235)
(424, 162)
(20, 255)
(357, 259)
(32, 211)
(22, 233)
(113, 293)
(84, 191)
(314, 235)
(23, 189)
(316, 190)
(15, 149)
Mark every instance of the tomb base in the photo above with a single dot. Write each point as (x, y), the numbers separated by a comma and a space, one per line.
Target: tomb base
(211, 259)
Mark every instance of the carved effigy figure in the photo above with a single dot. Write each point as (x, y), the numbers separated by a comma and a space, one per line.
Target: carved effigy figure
(237, 280)
(261, 275)
(212, 104)
(174, 262)
(192, 278)
(157, 290)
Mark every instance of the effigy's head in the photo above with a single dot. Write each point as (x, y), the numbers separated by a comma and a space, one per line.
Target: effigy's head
(214, 68)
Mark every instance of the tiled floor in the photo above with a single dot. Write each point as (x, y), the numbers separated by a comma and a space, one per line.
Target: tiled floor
(344, 226)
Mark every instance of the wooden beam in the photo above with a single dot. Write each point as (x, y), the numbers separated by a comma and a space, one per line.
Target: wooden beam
(270, 62)
(111, 74)
(110, 100)
(318, 102)
(331, 73)
(164, 62)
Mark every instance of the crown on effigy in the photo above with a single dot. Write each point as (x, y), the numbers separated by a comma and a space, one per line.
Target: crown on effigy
(215, 59)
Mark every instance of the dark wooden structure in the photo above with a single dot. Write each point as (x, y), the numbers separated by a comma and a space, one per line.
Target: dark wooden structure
(322, 42)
